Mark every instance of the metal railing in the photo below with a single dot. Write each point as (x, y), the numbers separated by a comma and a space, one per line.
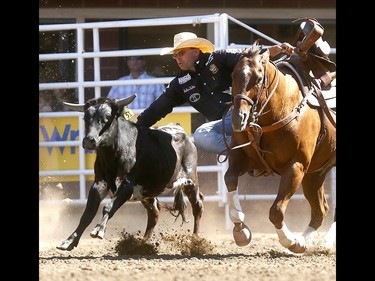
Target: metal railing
(218, 35)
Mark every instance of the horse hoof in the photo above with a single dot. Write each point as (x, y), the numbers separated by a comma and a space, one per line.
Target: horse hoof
(297, 248)
(242, 237)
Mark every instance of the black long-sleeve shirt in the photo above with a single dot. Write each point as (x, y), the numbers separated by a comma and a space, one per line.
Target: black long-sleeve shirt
(206, 89)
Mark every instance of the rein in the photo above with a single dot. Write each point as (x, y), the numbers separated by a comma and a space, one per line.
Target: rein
(109, 122)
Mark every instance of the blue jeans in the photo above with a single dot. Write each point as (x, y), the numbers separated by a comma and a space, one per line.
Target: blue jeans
(209, 136)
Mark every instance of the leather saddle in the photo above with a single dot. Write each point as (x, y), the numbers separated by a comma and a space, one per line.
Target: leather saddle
(313, 73)
(316, 77)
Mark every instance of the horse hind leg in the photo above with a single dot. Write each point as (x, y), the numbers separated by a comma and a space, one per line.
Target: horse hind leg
(289, 183)
(330, 236)
(313, 189)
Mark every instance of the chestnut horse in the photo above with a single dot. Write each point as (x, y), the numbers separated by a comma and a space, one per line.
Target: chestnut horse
(275, 129)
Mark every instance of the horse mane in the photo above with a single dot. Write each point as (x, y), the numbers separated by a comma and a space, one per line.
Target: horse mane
(253, 50)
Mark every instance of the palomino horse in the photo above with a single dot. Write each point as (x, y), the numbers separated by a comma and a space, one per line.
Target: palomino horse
(275, 129)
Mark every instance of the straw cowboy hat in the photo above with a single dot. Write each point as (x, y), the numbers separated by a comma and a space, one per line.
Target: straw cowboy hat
(188, 40)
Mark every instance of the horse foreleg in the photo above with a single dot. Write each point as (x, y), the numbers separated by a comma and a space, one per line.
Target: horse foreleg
(241, 232)
(289, 183)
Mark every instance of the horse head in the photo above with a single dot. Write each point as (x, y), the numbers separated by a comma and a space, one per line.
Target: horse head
(248, 84)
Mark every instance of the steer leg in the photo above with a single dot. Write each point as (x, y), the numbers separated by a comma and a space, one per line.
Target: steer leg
(122, 195)
(153, 207)
(96, 195)
(196, 200)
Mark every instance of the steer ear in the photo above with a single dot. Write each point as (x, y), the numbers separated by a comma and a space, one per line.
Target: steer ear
(125, 101)
(74, 106)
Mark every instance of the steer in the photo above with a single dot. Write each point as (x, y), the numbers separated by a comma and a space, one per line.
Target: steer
(135, 163)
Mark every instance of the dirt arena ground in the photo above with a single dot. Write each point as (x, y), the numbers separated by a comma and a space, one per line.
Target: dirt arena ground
(175, 256)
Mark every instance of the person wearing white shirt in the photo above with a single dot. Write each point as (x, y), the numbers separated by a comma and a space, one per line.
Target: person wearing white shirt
(146, 93)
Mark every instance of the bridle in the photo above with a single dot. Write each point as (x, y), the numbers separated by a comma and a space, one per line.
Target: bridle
(253, 129)
(114, 113)
(263, 89)
(252, 126)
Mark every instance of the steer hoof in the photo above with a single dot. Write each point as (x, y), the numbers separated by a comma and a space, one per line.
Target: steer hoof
(100, 234)
(241, 234)
(66, 246)
(94, 232)
(97, 232)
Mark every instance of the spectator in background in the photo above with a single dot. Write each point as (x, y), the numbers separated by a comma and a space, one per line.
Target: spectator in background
(146, 93)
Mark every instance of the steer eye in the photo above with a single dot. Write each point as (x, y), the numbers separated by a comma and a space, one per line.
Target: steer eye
(106, 117)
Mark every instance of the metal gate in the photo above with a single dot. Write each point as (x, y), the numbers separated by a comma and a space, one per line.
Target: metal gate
(217, 30)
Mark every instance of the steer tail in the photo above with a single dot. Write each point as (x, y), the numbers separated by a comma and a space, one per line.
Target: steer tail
(179, 205)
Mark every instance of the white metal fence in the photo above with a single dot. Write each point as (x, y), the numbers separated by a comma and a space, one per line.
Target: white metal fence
(217, 30)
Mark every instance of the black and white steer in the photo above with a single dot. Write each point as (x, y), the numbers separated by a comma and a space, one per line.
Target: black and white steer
(135, 163)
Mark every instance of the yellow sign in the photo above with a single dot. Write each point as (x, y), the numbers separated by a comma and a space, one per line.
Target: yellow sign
(63, 157)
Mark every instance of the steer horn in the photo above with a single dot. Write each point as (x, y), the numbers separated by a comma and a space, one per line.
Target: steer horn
(120, 103)
(125, 101)
(74, 106)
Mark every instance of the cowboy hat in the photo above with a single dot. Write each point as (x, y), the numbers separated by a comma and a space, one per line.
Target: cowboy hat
(188, 40)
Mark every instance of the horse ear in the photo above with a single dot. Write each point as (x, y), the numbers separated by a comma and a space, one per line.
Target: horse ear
(265, 58)
(257, 42)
